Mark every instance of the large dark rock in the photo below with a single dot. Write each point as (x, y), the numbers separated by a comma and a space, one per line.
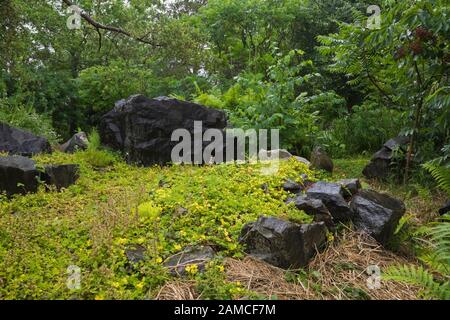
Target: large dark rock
(18, 175)
(332, 195)
(445, 209)
(141, 128)
(377, 214)
(62, 175)
(282, 243)
(19, 142)
(191, 255)
(79, 141)
(321, 160)
(380, 164)
(315, 208)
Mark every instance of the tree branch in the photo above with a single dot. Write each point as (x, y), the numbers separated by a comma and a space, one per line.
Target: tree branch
(99, 26)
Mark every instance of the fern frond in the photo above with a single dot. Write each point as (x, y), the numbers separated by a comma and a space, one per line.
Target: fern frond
(420, 277)
(440, 174)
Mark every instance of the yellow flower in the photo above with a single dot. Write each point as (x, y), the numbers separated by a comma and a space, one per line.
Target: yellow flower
(140, 285)
(221, 268)
(121, 241)
(115, 284)
(99, 297)
(191, 269)
(159, 260)
(177, 247)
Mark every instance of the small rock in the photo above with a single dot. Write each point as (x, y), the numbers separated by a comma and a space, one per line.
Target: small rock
(79, 141)
(282, 243)
(380, 164)
(292, 186)
(321, 160)
(445, 209)
(135, 253)
(198, 255)
(332, 195)
(265, 187)
(18, 175)
(377, 214)
(303, 160)
(315, 208)
(61, 176)
(350, 186)
(397, 142)
(180, 211)
(280, 154)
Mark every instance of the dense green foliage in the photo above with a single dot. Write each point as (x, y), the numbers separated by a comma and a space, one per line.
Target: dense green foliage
(313, 69)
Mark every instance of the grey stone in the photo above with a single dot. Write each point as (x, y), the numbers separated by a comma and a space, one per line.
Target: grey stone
(79, 141)
(191, 255)
(292, 186)
(380, 164)
(141, 128)
(282, 243)
(445, 209)
(135, 253)
(321, 160)
(350, 186)
(315, 208)
(18, 175)
(61, 175)
(19, 142)
(377, 214)
(332, 196)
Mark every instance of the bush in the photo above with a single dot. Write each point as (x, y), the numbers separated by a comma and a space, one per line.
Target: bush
(365, 130)
(28, 119)
(94, 155)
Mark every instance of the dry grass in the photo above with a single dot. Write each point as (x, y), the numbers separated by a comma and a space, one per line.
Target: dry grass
(266, 280)
(343, 265)
(342, 268)
(178, 290)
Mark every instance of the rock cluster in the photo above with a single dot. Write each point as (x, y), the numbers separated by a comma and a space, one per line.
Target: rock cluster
(19, 175)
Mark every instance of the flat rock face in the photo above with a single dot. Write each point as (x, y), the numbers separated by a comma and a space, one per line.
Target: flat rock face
(197, 255)
(19, 142)
(282, 243)
(332, 196)
(61, 176)
(378, 214)
(79, 141)
(141, 128)
(18, 175)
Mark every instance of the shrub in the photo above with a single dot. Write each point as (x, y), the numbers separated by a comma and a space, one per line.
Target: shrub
(365, 130)
(26, 118)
